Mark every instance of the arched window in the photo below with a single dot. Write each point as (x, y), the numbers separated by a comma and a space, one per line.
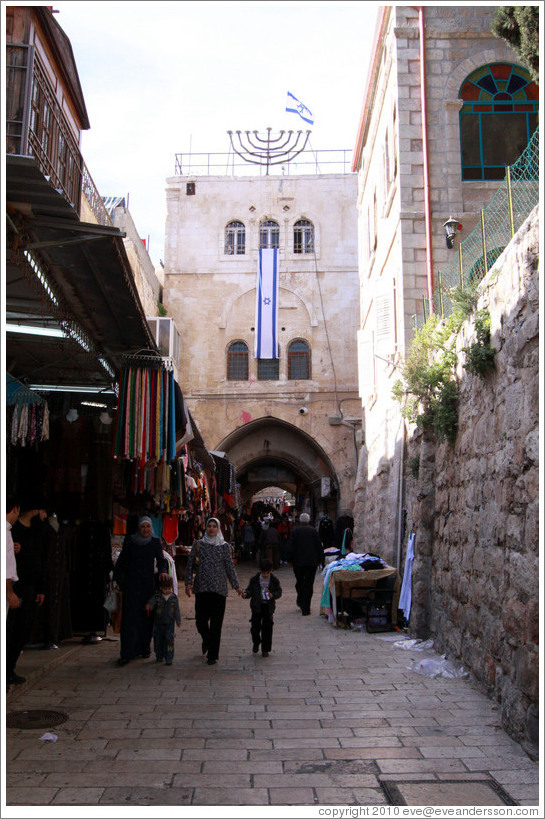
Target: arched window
(497, 119)
(235, 239)
(298, 360)
(269, 234)
(237, 361)
(303, 236)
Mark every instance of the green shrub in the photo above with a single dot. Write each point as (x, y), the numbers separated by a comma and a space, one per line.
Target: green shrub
(480, 356)
(429, 392)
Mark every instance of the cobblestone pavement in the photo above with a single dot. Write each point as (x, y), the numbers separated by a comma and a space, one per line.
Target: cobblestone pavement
(331, 717)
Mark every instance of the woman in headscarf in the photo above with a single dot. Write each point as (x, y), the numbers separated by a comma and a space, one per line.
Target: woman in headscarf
(211, 561)
(134, 573)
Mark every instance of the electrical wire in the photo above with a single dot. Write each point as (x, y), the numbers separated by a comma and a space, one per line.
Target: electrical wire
(339, 409)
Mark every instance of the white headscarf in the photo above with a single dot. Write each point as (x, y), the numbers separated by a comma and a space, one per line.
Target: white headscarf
(218, 539)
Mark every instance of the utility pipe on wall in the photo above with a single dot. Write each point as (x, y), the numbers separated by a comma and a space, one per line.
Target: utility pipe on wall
(427, 203)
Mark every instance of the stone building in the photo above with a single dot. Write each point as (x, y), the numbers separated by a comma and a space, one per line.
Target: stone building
(447, 106)
(290, 422)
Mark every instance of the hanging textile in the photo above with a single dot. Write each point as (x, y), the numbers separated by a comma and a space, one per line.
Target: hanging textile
(146, 415)
(405, 596)
(27, 416)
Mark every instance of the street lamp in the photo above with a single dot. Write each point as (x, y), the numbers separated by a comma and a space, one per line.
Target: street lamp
(451, 226)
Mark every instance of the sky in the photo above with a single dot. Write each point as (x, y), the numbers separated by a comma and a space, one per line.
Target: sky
(168, 77)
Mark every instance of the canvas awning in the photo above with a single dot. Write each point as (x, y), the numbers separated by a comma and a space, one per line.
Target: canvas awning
(65, 276)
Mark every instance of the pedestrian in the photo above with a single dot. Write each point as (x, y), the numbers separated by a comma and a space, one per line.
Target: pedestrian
(167, 613)
(263, 590)
(269, 543)
(343, 522)
(29, 588)
(134, 574)
(12, 513)
(284, 529)
(326, 531)
(248, 540)
(305, 553)
(211, 562)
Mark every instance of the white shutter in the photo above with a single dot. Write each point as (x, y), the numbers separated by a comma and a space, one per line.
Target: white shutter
(383, 301)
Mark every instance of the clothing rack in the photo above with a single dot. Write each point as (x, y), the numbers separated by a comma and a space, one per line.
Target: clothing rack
(18, 393)
(143, 358)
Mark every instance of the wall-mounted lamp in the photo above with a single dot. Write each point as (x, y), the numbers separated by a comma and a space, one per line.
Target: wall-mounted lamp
(451, 226)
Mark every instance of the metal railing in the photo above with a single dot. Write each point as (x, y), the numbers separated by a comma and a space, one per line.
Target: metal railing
(230, 164)
(36, 126)
(499, 221)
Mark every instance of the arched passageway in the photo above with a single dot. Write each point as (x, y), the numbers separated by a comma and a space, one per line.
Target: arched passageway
(269, 452)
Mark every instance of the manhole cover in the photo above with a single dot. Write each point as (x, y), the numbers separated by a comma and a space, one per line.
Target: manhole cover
(35, 719)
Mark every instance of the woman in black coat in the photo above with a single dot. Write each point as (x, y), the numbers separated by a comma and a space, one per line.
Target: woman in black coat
(134, 573)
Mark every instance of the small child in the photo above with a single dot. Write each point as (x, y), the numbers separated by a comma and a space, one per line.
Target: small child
(263, 590)
(167, 613)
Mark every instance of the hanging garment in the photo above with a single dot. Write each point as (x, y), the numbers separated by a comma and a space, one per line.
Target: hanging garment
(170, 528)
(406, 587)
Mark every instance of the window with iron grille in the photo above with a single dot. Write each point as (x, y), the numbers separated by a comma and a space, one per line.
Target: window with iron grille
(497, 119)
(269, 234)
(298, 361)
(268, 369)
(237, 361)
(235, 239)
(303, 236)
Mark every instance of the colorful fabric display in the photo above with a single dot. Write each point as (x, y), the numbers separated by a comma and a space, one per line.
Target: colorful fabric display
(146, 415)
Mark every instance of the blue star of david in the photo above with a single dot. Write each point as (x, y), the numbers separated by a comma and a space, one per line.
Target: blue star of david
(267, 300)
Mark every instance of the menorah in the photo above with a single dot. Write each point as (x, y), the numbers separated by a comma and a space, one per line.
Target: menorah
(268, 151)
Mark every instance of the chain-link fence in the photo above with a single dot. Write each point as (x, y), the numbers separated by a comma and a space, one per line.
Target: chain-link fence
(500, 220)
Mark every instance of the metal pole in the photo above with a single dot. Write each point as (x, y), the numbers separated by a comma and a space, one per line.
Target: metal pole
(510, 199)
(461, 266)
(440, 292)
(484, 244)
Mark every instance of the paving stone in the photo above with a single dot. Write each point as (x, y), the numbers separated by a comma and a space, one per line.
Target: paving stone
(31, 796)
(291, 796)
(222, 796)
(77, 796)
(146, 796)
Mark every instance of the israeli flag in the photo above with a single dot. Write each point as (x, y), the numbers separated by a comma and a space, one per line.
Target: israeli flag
(295, 107)
(266, 304)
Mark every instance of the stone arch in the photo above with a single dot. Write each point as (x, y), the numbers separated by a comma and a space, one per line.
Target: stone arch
(268, 451)
(230, 305)
(470, 64)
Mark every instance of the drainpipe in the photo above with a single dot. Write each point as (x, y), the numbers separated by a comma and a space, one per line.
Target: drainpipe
(427, 204)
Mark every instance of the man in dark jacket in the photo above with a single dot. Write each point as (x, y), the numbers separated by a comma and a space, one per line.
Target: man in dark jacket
(29, 588)
(305, 553)
(269, 544)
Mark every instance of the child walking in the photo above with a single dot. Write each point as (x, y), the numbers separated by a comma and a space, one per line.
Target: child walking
(167, 612)
(263, 590)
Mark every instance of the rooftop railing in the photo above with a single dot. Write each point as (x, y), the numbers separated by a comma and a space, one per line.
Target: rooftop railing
(230, 164)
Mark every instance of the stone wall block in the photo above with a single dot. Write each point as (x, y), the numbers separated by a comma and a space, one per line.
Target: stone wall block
(527, 670)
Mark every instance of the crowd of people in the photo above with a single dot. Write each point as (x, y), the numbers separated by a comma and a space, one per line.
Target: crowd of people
(143, 575)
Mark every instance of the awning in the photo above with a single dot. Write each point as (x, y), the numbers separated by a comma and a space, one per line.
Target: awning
(64, 274)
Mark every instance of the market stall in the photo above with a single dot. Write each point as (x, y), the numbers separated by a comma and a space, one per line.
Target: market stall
(362, 589)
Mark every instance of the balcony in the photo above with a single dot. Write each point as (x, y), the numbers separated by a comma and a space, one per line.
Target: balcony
(37, 128)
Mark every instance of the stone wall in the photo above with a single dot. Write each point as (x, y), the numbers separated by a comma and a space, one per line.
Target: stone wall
(474, 506)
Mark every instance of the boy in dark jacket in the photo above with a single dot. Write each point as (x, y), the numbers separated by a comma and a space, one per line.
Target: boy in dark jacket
(263, 590)
(167, 612)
